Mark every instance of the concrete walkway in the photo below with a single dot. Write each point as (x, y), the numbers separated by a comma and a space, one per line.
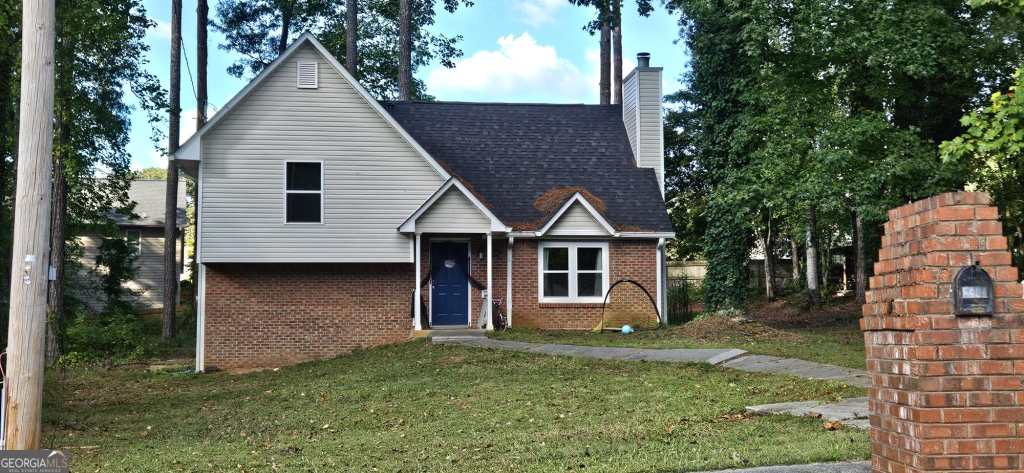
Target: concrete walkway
(727, 357)
(844, 467)
(852, 412)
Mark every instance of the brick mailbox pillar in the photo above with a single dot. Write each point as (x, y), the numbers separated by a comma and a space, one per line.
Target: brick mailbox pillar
(947, 391)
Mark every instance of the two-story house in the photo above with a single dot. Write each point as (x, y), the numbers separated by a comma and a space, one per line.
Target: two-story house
(329, 221)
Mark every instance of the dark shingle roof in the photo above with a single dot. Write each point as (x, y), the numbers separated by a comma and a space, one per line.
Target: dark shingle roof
(511, 154)
(150, 195)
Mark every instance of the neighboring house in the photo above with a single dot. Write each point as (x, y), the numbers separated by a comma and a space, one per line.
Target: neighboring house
(324, 215)
(147, 233)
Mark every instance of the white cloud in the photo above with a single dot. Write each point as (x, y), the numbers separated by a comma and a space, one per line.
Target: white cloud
(520, 70)
(537, 13)
(162, 30)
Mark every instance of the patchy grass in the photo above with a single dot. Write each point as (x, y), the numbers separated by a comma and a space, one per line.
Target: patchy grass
(831, 335)
(421, 407)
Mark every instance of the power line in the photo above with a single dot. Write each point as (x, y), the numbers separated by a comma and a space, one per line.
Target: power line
(189, 69)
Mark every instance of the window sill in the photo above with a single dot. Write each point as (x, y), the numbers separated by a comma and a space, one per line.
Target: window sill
(571, 305)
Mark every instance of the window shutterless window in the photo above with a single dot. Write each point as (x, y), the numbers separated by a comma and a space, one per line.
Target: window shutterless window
(303, 192)
(135, 240)
(573, 272)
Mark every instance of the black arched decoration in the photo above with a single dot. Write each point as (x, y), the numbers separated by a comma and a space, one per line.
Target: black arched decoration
(447, 251)
(616, 283)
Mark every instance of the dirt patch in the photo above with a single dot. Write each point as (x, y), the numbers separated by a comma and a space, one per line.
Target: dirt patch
(785, 313)
(724, 329)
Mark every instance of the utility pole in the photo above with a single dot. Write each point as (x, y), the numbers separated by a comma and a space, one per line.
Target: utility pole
(171, 196)
(30, 266)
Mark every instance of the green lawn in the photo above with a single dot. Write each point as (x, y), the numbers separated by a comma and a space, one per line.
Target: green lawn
(840, 344)
(420, 407)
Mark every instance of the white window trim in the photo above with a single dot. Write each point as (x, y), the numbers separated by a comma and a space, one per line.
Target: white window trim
(298, 75)
(284, 188)
(138, 242)
(572, 246)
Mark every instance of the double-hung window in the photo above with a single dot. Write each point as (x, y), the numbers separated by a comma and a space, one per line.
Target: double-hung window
(134, 240)
(573, 271)
(304, 192)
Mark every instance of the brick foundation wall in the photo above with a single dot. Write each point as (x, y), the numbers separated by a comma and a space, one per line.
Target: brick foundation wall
(269, 315)
(628, 259)
(947, 392)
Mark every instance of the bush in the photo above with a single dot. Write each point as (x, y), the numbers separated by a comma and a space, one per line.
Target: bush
(115, 337)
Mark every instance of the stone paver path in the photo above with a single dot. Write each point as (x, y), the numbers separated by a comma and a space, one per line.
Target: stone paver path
(844, 467)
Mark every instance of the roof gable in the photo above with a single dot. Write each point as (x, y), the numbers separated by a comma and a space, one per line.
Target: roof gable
(449, 203)
(191, 150)
(577, 217)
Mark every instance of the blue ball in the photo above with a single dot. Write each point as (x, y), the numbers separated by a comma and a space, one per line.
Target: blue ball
(627, 329)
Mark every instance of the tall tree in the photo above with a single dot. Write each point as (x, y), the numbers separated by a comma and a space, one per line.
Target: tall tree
(352, 37)
(404, 49)
(252, 29)
(824, 111)
(604, 16)
(202, 43)
(171, 196)
(616, 51)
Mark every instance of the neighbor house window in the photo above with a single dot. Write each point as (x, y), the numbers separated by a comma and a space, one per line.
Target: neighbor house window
(303, 192)
(135, 240)
(573, 272)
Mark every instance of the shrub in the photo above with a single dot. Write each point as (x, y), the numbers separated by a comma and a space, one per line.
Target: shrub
(113, 337)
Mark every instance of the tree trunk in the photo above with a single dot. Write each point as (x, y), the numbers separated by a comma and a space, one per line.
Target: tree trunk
(860, 266)
(794, 257)
(617, 51)
(813, 291)
(352, 38)
(202, 21)
(405, 50)
(768, 242)
(286, 24)
(606, 58)
(58, 238)
(171, 196)
(27, 325)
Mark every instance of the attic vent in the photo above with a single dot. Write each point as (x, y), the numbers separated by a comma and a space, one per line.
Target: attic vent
(307, 75)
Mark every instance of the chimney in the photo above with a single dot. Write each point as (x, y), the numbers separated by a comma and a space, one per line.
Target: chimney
(642, 115)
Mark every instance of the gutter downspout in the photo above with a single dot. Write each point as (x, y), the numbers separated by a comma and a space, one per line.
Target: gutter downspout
(660, 262)
(201, 287)
(508, 282)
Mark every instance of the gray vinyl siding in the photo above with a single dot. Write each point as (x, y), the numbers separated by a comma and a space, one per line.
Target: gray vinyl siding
(641, 113)
(150, 277)
(373, 178)
(629, 89)
(453, 213)
(651, 129)
(576, 220)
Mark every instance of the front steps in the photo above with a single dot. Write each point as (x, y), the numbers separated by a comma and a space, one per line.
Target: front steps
(455, 335)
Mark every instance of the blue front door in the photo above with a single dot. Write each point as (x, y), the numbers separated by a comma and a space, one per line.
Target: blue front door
(449, 297)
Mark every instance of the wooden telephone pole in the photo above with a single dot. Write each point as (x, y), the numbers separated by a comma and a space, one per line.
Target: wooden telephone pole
(26, 337)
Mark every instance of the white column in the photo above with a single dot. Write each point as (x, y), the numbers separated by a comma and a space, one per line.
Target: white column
(417, 303)
(508, 282)
(490, 290)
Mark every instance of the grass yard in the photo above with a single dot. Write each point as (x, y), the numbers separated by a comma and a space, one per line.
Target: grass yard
(419, 407)
(831, 335)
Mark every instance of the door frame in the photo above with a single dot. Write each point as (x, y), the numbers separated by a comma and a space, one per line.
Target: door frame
(469, 288)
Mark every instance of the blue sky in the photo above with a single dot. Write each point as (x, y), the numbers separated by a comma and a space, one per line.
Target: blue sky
(514, 51)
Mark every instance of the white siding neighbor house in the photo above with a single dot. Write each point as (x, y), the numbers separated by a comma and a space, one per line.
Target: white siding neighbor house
(330, 221)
